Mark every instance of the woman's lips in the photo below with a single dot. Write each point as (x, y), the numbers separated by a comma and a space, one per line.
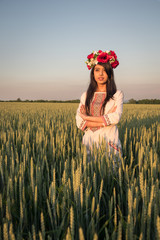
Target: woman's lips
(101, 78)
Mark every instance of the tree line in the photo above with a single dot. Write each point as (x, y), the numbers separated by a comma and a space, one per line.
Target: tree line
(144, 101)
(131, 101)
(42, 100)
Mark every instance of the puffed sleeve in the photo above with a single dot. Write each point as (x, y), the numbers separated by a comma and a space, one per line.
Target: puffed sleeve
(114, 117)
(81, 124)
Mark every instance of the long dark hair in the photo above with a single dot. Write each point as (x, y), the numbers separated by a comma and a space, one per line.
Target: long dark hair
(110, 87)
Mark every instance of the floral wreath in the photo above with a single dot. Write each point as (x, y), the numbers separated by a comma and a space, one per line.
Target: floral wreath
(103, 57)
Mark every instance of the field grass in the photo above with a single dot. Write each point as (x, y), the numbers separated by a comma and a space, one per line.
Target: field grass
(49, 189)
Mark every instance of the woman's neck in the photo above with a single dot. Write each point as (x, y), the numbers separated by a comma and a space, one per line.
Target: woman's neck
(101, 88)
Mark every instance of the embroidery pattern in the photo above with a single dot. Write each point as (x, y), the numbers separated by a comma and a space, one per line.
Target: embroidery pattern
(82, 109)
(106, 118)
(96, 105)
(82, 125)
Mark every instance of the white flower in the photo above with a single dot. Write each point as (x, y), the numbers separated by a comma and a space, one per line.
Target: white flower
(93, 61)
(95, 52)
(112, 60)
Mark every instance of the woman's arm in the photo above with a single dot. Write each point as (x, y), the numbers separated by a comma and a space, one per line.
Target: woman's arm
(80, 122)
(99, 121)
(92, 118)
(94, 124)
(114, 117)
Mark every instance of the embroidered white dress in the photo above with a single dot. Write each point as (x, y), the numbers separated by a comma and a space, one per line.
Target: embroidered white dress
(110, 132)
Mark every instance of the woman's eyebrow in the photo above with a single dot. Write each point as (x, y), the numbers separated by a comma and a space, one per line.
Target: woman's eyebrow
(98, 68)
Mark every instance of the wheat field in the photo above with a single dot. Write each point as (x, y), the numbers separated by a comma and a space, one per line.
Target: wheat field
(51, 189)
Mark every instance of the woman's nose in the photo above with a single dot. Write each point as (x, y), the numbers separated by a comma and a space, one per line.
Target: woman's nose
(101, 73)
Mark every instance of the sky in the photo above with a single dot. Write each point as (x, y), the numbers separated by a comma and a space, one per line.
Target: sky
(44, 45)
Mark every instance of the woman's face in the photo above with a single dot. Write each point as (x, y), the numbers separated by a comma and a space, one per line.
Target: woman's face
(100, 75)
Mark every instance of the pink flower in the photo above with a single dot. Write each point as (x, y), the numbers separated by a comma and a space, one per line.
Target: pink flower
(90, 56)
(103, 57)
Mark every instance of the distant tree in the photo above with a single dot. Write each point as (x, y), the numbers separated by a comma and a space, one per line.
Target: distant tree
(149, 101)
(144, 101)
(132, 101)
(19, 100)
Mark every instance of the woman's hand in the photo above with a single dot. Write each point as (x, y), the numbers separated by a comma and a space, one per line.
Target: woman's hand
(83, 115)
(82, 109)
(99, 119)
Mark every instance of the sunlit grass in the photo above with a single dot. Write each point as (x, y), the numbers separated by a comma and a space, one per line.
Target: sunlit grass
(49, 189)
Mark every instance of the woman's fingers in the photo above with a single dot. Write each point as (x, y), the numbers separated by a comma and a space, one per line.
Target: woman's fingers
(82, 109)
(81, 115)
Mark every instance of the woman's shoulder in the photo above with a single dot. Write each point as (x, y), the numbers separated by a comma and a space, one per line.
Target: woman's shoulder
(83, 97)
(119, 94)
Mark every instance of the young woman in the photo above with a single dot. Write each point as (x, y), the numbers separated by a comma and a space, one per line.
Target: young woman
(101, 107)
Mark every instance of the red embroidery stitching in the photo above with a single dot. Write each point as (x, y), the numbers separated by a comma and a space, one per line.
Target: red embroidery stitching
(92, 105)
(96, 105)
(107, 120)
(82, 125)
(114, 146)
(82, 109)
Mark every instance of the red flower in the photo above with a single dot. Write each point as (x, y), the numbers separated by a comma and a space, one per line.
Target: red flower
(88, 67)
(115, 64)
(90, 56)
(112, 53)
(103, 57)
(100, 51)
